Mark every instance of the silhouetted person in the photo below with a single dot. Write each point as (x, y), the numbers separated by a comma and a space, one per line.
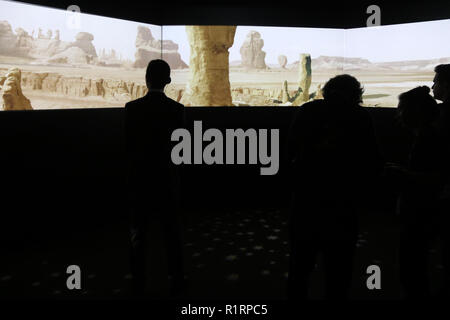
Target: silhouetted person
(420, 183)
(441, 91)
(334, 160)
(153, 180)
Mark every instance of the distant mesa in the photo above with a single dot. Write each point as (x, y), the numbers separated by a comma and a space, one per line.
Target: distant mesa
(324, 63)
(11, 92)
(252, 56)
(412, 65)
(148, 48)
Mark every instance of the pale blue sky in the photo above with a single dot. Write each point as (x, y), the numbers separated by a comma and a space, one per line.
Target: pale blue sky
(109, 33)
(410, 41)
(423, 40)
(277, 40)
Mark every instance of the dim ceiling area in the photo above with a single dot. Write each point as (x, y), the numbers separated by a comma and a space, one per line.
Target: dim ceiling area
(300, 13)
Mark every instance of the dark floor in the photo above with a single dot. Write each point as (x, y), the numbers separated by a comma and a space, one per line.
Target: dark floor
(229, 255)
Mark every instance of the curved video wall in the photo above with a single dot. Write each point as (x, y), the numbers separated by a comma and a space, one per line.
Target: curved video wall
(51, 58)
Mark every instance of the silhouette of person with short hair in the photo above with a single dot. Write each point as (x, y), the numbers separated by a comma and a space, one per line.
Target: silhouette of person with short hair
(441, 91)
(420, 183)
(334, 159)
(153, 180)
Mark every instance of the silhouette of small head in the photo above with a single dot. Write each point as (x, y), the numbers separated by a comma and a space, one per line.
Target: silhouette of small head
(343, 89)
(441, 82)
(158, 74)
(417, 108)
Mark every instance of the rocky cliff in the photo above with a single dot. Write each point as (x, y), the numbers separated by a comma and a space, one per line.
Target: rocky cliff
(79, 87)
(148, 48)
(47, 48)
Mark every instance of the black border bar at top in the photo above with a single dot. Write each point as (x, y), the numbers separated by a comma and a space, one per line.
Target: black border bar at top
(300, 13)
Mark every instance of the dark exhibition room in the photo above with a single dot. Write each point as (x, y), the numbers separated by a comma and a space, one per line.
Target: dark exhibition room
(222, 158)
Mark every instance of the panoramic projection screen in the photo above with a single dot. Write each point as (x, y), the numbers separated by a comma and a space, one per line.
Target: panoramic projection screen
(56, 59)
(59, 59)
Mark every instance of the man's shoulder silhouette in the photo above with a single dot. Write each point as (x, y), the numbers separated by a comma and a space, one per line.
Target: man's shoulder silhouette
(157, 109)
(149, 123)
(308, 109)
(312, 105)
(156, 100)
(444, 110)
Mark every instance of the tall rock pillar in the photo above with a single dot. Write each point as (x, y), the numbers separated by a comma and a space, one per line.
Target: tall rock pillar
(209, 83)
(304, 71)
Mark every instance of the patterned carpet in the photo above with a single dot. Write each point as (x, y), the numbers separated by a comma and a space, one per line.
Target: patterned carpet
(229, 255)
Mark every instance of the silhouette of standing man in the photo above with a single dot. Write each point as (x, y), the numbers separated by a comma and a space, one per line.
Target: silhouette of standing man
(441, 91)
(153, 180)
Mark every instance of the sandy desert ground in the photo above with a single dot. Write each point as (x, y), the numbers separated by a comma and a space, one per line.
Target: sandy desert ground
(381, 88)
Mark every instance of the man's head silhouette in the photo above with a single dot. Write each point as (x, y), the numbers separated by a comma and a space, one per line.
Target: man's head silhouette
(441, 82)
(158, 74)
(343, 89)
(417, 108)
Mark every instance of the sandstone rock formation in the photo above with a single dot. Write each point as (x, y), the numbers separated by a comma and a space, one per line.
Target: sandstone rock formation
(144, 38)
(282, 61)
(79, 87)
(44, 47)
(148, 48)
(83, 40)
(301, 95)
(304, 71)
(11, 92)
(81, 51)
(209, 83)
(21, 32)
(24, 43)
(144, 55)
(171, 56)
(7, 39)
(252, 55)
(72, 55)
(18, 44)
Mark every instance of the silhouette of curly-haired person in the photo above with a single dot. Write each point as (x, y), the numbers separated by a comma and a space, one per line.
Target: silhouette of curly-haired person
(153, 180)
(420, 183)
(334, 158)
(441, 91)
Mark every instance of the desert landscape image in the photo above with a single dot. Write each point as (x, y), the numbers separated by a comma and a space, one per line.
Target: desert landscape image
(47, 62)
